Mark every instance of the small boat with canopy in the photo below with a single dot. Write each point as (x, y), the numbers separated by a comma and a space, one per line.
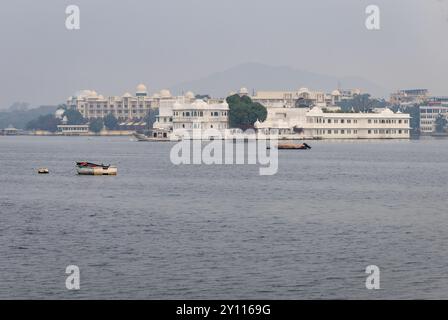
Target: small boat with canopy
(88, 168)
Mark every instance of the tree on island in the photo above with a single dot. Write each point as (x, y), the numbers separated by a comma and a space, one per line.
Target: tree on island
(74, 117)
(46, 122)
(361, 103)
(150, 118)
(96, 125)
(243, 112)
(110, 122)
(414, 111)
(441, 124)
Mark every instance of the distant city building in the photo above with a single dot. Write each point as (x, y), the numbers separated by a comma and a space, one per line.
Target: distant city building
(73, 130)
(303, 98)
(9, 131)
(429, 113)
(409, 96)
(126, 107)
(315, 123)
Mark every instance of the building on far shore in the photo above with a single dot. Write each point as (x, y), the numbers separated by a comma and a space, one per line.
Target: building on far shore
(9, 131)
(126, 107)
(73, 130)
(316, 124)
(409, 96)
(434, 107)
(302, 97)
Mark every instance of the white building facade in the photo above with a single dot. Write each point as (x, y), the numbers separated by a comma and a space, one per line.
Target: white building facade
(303, 96)
(200, 115)
(316, 124)
(126, 107)
(165, 103)
(429, 113)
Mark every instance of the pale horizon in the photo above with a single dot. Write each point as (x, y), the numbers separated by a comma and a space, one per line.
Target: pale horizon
(165, 43)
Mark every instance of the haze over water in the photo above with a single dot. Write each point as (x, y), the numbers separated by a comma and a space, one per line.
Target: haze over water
(161, 231)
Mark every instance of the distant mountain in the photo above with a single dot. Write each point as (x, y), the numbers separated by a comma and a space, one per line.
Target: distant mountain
(258, 77)
(19, 118)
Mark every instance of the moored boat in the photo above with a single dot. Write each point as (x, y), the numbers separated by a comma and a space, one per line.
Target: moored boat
(293, 146)
(43, 171)
(88, 168)
(141, 137)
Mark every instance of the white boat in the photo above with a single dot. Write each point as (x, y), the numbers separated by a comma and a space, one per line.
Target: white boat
(92, 169)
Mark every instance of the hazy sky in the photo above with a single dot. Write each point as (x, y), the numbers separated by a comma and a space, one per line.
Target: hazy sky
(164, 42)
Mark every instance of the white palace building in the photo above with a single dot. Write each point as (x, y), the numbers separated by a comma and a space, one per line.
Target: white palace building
(301, 114)
(290, 123)
(126, 107)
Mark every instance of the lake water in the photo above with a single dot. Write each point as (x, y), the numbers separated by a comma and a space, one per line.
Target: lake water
(160, 231)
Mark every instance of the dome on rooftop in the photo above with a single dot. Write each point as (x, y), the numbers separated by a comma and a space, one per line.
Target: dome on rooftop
(387, 111)
(335, 93)
(165, 93)
(59, 113)
(141, 88)
(86, 93)
(189, 95)
(315, 111)
(244, 91)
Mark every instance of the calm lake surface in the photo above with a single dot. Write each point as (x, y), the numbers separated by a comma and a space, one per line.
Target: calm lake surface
(160, 231)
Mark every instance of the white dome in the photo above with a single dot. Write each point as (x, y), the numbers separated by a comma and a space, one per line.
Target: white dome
(189, 95)
(165, 93)
(304, 90)
(127, 95)
(387, 111)
(86, 93)
(141, 88)
(244, 91)
(335, 93)
(315, 111)
(59, 113)
(199, 103)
